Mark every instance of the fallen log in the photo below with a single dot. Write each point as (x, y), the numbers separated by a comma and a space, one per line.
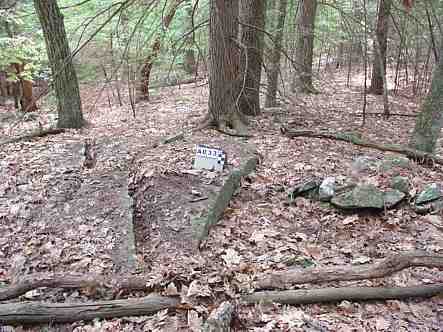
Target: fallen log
(343, 293)
(40, 313)
(421, 156)
(37, 133)
(72, 281)
(388, 266)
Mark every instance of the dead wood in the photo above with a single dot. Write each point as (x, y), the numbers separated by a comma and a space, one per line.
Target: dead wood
(37, 133)
(220, 319)
(388, 266)
(72, 281)
(40, 313)
(343, 293)
(421, 156)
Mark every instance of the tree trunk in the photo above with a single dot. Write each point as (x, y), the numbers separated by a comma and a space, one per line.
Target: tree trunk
(190, 63)
(145, 73)
(275, 55)
(224, 63)
(430, 119)
(252, 23)
(379, 65)
(305, 46)
(65, 78)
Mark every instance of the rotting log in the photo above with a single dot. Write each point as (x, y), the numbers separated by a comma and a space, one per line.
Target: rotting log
(310, 296)
(72, 281)
(388, 266)
(37, 133)
(423, 157)
(39, 313)
(220, 319)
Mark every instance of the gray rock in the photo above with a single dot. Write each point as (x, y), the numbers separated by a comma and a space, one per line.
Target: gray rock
(400, 183)
(430, 193)
(361, 197)
(364, 164)
(327, 189)
(392, 161)
(393, 197)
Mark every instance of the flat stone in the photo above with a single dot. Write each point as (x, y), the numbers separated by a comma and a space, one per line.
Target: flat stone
(430, 193)
(361, 197)
(364, 164)
(400, 183)
(327, 189)
(393, 197)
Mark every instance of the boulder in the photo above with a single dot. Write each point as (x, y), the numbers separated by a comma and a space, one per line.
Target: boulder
(327, 189)
(392, 197)
(393, 161)
(400, 183)
(365, 196)
(430, 193)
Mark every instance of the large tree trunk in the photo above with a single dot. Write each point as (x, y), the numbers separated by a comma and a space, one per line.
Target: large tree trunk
(65, 78)
(305, 46)
(379, 65)
(275, 54)
(430, 119)
(252, 23)
(224, 63)
(148, 63)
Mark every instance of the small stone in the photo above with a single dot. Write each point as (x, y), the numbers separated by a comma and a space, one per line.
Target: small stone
(393, 197)
(400, 183)
(364, 164)
(430, 193)
(361, 197)
(327, 189)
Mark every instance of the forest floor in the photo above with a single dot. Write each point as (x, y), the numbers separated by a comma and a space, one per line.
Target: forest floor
(260, 232)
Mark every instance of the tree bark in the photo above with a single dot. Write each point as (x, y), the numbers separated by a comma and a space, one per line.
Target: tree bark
(379, 61)
(273, 69)
(252, 23)
(224, 63)
(65, 78)
(39, 313)
(305, 46)
(430, 119)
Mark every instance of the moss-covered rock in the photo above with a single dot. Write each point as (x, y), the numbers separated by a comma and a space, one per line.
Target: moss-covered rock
(361, 197)
(430, 193)
(400, 183)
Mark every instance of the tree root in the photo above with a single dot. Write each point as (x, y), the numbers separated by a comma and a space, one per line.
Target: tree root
(388, 266)
(420, 156)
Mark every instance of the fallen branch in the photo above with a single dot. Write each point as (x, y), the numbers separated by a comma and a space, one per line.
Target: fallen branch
(40, 313)
(72, 281)
(350, 138)
(37, 133)
(388, 266)
(343, 293)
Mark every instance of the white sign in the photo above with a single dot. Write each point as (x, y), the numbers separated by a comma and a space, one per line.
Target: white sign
(209, 158)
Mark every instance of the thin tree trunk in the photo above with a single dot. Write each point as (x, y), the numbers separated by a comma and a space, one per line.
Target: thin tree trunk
(379, 64)
(274, 62)
(305, 46)
(65, 78)
(252, 23)
(148, 63)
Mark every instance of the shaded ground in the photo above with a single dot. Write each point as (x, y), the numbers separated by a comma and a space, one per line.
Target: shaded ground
(258, 233)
